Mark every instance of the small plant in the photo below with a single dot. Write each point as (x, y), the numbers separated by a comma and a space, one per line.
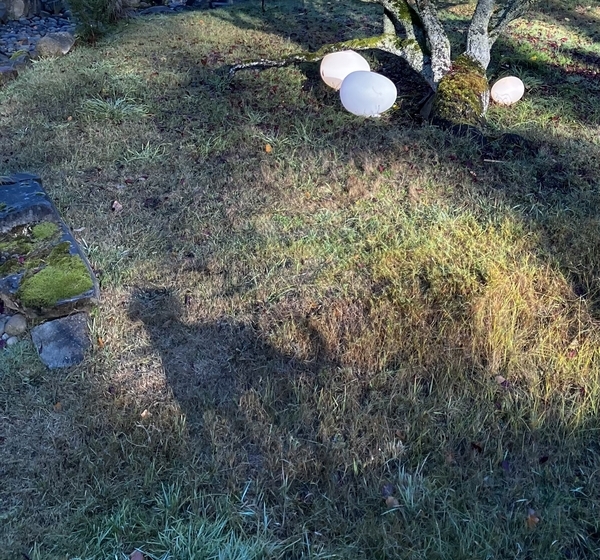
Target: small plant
(145, 153)
(94, 16)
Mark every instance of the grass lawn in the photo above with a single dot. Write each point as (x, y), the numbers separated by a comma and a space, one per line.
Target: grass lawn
(320, 336)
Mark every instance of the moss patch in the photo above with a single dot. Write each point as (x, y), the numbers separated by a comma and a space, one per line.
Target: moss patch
(44, 231)
(11, 266)
(461, 94)
(64, 276)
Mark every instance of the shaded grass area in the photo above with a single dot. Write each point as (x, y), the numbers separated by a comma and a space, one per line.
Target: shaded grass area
(376, 340)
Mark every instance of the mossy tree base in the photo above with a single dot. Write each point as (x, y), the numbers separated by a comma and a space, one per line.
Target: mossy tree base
(463, 95)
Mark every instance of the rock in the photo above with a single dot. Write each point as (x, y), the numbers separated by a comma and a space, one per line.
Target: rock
(3, 321)
(16, 9)
(12, 340)
(3, 12)
(16, 325)
(22, 9)
(65, 283)
(7, 73)
(62, 342)
(55, 44)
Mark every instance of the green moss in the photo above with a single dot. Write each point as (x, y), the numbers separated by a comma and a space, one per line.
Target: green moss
(16, 246)
(11, 266)
(402, 10)
(59, 253)
(461, 93)
(44, 231)
(402, 44)
(63, 277)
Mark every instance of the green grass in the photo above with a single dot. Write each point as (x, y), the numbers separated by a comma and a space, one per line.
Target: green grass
(377, 340)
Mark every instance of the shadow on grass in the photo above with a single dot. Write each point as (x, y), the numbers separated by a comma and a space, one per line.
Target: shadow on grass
(214, 364)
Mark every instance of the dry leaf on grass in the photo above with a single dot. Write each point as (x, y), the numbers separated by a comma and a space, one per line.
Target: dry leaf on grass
(268, 148)
(136, 555)
(392, 502)
(532, 519)
(116, 206)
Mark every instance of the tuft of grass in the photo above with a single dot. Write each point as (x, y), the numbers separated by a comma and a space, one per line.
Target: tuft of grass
(116, 110)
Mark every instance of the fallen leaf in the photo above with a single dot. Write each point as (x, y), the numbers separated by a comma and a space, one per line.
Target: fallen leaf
(116, 206)
(502, 381)
(532, 519)
(268, 148)
(136, 555)
(58, 407)
(146, 413)
(69, 118)
(100, 342)
(391, 502)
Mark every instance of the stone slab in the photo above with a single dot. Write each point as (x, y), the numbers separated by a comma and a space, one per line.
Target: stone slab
(62, 342)
(23, 204)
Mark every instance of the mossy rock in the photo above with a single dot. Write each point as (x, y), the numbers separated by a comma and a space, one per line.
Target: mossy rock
(43, 272)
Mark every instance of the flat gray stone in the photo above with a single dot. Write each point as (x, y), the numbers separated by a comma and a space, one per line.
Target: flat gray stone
(62, 342)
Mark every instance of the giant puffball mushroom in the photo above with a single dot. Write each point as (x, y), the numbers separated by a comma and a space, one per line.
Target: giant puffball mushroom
(367, 94)
(507, 91)
(336, 66)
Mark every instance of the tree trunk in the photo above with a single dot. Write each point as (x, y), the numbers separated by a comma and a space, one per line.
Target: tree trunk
(462, 95)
